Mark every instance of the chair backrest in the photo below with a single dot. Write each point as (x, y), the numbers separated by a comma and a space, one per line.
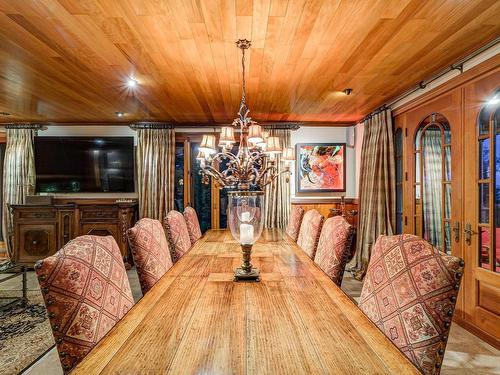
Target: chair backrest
(334, 247)
(193, 224)
(150, 251)
(177, 234)
(409, 292)
(310, 229)
(86, 292)
(293, 227)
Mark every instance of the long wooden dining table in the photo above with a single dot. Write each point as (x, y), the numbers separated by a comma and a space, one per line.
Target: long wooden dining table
(197, 320)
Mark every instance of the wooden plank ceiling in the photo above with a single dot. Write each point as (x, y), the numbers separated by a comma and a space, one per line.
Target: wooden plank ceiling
(68, 60)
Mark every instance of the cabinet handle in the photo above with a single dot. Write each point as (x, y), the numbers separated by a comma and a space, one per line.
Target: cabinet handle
(456, 231)
(468, 233)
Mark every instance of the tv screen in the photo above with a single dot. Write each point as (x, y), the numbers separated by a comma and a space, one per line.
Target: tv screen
(84, 164)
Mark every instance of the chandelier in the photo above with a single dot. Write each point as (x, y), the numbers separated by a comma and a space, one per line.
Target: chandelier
(254, 164)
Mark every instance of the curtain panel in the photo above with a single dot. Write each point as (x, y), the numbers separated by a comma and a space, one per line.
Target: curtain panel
(432, 186)
(277, 194)
(18, 174)
(377, 189)
(155, 158)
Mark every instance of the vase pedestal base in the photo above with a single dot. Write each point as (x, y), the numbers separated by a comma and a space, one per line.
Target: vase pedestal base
(241, 275)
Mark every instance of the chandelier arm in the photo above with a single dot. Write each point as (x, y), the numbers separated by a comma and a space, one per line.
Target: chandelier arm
(263, 175)
(221, 156)
(274, 177)
(212, 172)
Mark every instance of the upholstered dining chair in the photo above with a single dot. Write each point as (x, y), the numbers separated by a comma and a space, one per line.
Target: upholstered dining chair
(334, 247)
(150, 251)
(86, 292)
(293, 227)
(310, 230)
(193, 224)
(409, 292)
(177, 234)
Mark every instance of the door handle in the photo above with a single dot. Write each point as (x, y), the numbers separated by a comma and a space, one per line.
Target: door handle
(456, 231)
(468, 233)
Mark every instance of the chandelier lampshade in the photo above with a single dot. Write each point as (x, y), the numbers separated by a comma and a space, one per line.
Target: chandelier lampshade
(200, 156)
(288, 154)
(262, 144)
(227, 135)
(207, 145)
(255, 134)
(273, 146)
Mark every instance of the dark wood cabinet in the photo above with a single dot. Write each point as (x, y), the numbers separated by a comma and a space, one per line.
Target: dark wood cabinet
(39, 231)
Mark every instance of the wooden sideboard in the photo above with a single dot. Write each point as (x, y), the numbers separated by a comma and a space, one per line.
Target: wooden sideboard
(325, 207)
(40, 230)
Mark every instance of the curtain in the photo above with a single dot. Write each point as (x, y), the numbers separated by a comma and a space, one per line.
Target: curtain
(377, 189)
(277, 194)
(155, 158)
(18, 174)
(432, 186)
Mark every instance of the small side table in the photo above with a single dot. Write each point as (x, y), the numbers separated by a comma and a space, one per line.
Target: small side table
(14, 271)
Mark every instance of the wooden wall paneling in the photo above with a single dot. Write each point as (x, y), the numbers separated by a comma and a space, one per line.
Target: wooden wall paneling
(324, 208)
(68, 61)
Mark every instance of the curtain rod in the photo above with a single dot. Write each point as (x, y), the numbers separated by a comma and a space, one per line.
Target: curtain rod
(151, 125)
(26, 125)
(459, 65)
(164, 125)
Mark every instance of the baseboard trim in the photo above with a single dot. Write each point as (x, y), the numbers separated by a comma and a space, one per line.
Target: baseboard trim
(485, 336)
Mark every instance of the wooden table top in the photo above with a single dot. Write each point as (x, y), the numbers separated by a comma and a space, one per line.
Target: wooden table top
(196, 320)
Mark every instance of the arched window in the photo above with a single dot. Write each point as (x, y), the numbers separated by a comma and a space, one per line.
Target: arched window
(489, 184)
(398, 148)
(432, 149)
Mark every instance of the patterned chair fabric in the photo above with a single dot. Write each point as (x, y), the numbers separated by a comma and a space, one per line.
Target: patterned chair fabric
(334, 247)
(150, 251)
(409, 292)
(193, 224)
(310, 230)
(86, 292)
(177, 235)
(293, 227)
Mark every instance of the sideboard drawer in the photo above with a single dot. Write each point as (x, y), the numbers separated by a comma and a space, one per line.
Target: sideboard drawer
(99, 213)
(39, 214)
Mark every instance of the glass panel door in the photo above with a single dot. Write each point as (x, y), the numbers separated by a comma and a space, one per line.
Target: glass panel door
(488, 226)
(482, 212)
(432, 150)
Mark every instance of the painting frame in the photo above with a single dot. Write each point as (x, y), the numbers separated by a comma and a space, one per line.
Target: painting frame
(298, 178)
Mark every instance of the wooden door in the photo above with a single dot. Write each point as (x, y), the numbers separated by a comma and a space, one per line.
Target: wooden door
(482, 210)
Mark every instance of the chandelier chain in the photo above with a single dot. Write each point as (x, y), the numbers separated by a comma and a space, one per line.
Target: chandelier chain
(244, 94)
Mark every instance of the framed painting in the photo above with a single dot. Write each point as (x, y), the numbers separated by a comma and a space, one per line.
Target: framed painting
(320, 167)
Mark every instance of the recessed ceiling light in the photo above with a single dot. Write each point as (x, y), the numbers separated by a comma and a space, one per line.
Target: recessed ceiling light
(494, 100)
(119, 114)
(347, 91)
(131, 82)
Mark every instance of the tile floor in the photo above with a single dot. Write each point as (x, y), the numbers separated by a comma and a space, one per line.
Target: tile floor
(465, 353)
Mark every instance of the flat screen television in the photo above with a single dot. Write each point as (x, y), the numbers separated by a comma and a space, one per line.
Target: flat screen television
(84, 164)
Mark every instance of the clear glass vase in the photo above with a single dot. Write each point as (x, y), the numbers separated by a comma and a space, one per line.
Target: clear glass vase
(245, 221)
